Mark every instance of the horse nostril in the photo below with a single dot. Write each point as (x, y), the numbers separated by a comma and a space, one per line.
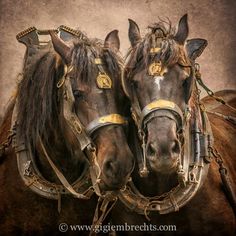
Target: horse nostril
(175, 147)
(151, 150)
(109, 168)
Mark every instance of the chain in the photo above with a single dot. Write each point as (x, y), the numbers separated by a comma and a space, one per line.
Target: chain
(209, 91)
(218, 158)
(7, 143)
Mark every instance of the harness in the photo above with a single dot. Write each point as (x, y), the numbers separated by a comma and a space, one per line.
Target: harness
(193, 164)
(88, 182)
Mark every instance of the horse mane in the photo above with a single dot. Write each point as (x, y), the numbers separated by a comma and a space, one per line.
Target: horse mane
(38, 101)
(84, 54)
(170, 53)
(37, 95)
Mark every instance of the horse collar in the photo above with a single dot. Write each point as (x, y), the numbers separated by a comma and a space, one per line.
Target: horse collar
(192, 172)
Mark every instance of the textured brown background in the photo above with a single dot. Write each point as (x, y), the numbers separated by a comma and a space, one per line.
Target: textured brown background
(213, 20)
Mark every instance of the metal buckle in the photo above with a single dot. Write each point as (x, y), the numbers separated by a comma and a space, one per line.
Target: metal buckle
(155, 50)
(98, 61)
(192, 175)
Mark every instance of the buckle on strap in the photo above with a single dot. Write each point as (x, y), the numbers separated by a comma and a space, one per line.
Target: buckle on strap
(111, 119)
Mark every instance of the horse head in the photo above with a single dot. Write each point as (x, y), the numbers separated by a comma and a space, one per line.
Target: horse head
(94, 72)
(159, 79)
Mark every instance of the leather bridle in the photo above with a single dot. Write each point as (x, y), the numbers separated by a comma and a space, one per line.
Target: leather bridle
(193, 162)
(27, 168)
(83, 133)
(151, 111)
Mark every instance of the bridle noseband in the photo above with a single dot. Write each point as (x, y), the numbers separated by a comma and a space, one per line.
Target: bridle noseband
(111, 119)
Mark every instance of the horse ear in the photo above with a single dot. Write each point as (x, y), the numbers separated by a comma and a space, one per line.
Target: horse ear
(195, 47)
(134, 33)
(112, 41)
(182, 32)
(61, 47)
(188, 87)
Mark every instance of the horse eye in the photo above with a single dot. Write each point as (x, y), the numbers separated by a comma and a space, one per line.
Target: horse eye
(78, 94)
(134, 84)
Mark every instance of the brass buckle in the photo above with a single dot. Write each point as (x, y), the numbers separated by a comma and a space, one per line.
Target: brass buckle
(97, 61)
(154, 50)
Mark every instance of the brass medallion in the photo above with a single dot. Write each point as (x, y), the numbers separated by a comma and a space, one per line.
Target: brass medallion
(104, 81)
(155, 68)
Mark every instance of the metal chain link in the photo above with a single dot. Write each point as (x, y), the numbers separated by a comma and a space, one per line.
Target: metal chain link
(218, 159)
(6, 143)
(209, 91)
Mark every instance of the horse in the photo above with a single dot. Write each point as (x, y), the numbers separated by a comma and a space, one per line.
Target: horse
(176, 186)
(66, 120)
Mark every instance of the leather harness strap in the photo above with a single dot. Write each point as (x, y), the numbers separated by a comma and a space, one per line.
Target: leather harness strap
(60, 176)
(112, 119)
(161, 104)
(30, 38)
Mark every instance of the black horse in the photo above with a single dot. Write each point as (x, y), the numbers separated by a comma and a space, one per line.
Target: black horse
(175, 189)
(67, 118)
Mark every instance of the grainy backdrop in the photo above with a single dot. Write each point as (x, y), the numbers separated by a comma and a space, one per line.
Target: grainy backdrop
(213, 20)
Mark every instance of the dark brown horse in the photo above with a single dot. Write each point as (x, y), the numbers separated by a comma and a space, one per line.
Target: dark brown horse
(60, 98)
(175, 187)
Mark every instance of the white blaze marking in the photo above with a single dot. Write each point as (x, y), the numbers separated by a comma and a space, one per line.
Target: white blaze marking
(158, 79)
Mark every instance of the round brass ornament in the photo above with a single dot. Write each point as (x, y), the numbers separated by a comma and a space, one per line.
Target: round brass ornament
(104, 81)
(155, 68)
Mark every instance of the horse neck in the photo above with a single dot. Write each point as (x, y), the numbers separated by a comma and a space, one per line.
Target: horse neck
(69, 161)
(154, 184)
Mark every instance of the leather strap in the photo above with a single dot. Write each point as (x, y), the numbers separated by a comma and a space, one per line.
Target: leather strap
(111, 119)
(60, 176)
(161, 104)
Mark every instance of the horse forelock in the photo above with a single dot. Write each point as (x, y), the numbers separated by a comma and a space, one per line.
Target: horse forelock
(170, 53)
(83, 61)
